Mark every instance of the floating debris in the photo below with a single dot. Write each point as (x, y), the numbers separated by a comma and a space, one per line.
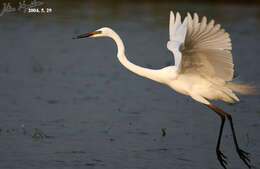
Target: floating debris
(184, 159)
(54, 101)
(78, 152)
(97, 160)
(90, 164)
(157, 150)
(112, 139)
(247, 139)
(143, 133)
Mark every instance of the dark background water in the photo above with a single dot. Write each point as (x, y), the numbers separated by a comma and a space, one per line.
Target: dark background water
(100, 115)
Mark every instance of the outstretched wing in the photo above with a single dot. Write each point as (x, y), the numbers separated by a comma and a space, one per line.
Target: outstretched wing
(206, 50)
(177, 32)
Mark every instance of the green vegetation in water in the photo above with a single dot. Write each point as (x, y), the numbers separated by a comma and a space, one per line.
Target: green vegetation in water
(163, 129)
(23, 128)
(37, 66)
(39, 134)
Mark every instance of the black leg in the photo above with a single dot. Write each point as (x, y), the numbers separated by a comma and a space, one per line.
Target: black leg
(242, 154)
(221, 157)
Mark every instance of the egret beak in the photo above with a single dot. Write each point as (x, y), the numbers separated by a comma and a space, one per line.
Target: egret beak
(86, 35)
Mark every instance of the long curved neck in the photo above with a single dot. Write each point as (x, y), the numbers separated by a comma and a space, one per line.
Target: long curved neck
(145, 72)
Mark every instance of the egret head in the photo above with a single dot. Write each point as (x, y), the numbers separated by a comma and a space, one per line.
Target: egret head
(97, 33)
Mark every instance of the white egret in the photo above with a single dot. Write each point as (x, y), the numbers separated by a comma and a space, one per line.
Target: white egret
(203, 67)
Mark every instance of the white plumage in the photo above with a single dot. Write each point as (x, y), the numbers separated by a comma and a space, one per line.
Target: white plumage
(203, 59)
(177, 31)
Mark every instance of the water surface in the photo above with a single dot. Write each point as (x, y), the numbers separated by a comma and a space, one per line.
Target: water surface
(100, 115)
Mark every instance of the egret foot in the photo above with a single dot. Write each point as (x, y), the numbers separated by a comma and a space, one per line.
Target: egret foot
(244, 156)
(221, 158)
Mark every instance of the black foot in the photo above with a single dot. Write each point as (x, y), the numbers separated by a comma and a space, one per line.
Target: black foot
(221, 158)
(244, 156)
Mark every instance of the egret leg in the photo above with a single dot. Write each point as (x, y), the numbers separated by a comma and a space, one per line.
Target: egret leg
(221, 157)
(242, 154)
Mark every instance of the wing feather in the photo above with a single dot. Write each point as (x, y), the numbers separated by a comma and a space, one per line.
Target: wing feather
(177, 31)
(207, 49)
(202, 27)
(196, 25)
(200, 47)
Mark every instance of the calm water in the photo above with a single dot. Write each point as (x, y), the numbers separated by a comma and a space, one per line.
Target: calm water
(100, 115)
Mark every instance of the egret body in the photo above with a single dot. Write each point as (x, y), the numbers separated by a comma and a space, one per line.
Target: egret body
(203, 67)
